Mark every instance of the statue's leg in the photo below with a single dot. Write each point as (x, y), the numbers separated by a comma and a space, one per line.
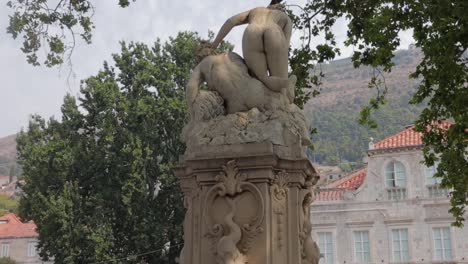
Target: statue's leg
(276, 50)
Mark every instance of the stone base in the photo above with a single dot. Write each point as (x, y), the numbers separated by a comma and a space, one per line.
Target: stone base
(286, 128)
(247, 203)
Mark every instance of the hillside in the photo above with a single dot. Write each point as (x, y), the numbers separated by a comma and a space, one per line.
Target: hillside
(7, 154)
(345, 84)
(340, 139)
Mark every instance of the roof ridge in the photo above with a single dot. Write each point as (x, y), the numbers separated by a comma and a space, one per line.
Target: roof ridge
(345, 178)
(407, 137)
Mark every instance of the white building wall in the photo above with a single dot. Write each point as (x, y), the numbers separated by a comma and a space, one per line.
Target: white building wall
(369, 209)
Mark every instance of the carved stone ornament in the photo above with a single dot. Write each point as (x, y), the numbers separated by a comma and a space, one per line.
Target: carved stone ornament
(230, 179)
(233, 191)
(280, 185)
(310, 252)
(279, 191)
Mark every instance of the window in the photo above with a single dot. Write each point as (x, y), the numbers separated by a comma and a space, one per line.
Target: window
(400, 245)
(32, 249)
(395, 175)
(361, 246)
(442, 243)
(432, 183)
(5, 250)
(429, 172)
(326, 247)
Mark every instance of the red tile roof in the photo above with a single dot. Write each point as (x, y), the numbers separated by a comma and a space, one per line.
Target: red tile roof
(12, 227)
(406, 138)
(336, 189)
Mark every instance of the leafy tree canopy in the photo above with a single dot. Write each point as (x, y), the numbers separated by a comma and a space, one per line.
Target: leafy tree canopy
(439, 29)
(54, 25)
(99, 182)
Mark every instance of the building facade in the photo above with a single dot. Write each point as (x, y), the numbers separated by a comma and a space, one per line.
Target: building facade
(392, 211)
(18, 240)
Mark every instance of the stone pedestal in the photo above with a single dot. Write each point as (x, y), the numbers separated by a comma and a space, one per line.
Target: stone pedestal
(247, 203)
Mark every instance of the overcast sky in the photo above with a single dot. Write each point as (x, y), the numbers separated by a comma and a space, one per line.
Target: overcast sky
(26, 90)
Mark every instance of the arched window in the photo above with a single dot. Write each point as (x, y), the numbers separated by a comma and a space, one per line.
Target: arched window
(430, 171)
(395, 175)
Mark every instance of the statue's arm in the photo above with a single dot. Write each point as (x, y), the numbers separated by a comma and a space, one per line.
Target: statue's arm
(236, 20)
(193, 86)
(287, 29)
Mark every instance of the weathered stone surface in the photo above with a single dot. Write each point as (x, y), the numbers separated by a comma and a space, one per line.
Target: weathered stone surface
(247, 206)
(279, 127)
(245, 176)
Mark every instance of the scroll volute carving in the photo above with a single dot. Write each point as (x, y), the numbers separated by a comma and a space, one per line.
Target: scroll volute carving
(224, 222)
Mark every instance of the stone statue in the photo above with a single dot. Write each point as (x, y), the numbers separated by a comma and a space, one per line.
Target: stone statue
(265, 43)
(228, 75)
(251, 99)
(241, 111)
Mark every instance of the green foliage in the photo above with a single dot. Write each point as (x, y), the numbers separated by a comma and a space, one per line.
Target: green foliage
(99, 182)
(53, 25)
(4, 260)
(439, 29)
(6, 165)
(8, 204)
(340, 138)
(347, 167)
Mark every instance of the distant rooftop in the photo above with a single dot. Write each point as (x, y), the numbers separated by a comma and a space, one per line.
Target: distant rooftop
(336, 189)
(405, 138)
(12, 227)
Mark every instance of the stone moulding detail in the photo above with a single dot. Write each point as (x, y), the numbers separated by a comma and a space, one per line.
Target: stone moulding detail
(189, 195)
(279, 191)
(310, 252)
(231, 185)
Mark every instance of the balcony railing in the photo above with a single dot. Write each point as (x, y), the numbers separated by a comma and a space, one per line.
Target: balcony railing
(436, 191)
(329, 194)
(396, 193)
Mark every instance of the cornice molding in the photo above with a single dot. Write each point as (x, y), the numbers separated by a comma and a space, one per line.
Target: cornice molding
(360, 224)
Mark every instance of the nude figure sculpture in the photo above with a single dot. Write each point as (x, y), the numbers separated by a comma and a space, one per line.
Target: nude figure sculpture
(265, 44)
(257, 85)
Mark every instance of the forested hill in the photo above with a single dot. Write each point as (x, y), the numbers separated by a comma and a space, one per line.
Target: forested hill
(340, 139)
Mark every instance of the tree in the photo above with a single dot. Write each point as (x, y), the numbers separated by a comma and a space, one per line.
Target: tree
(8, 204)
(99, 182)
(12, 173)
(53, 24)
(440, 30)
